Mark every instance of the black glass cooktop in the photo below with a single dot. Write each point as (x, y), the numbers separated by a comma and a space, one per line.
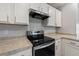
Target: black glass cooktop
(42, 41)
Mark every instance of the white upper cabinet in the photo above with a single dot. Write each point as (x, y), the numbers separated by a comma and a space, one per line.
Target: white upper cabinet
(58, 18)
(18, 13)
(51, 19)
(3, 12)
(11, 13)
(35, 6)
(54, 17)
(44, 8)
(14, 13)
(22, 13)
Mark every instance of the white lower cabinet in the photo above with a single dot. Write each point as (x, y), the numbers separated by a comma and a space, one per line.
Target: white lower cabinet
(58, 47)
(70, 48)
(66, 50)
(27, 52)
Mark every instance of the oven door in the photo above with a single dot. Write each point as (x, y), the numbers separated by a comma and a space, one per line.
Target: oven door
(47, 49)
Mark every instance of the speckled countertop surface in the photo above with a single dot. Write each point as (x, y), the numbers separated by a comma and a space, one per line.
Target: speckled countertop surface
(13, 43)
(59, 36)
(9, 45)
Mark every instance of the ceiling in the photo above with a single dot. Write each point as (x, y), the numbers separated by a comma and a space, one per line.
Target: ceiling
(57, 5)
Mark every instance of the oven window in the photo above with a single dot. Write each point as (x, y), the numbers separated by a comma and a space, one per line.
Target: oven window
(48, 51)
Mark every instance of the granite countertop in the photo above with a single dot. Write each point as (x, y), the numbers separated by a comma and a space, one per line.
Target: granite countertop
(59, 36)
(13, 43)
(9, 45)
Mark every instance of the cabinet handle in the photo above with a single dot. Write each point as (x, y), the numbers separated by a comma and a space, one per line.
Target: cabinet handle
(15, 20)
(7, 19)
(72, 43)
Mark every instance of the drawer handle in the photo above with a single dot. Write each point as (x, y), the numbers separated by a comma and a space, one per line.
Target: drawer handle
(7, 19)
(15, 20)
(72, 43)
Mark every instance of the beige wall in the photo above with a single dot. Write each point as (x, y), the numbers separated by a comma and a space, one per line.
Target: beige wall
(68, 19)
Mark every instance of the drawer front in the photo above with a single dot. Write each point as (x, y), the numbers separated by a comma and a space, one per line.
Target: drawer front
(71, 42)
(27, 52)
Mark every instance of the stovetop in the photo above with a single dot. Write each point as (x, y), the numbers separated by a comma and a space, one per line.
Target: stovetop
(38, 38)
(42, 41)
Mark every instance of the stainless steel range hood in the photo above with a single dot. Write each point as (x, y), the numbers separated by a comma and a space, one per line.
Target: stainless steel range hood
(37, 14)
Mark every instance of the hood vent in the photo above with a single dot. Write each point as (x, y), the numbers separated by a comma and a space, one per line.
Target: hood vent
(38, 14)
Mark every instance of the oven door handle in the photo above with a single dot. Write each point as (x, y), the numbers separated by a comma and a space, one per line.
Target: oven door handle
(43, 46)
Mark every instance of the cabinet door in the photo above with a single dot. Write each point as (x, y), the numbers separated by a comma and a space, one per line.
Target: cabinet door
(27, 52)
(70, 48)
(35, 6)
(11, 13)
(66, 50)
(51, 19)
(58, 18)
(3, 12)
(22, 13)
(44, 8)
(74, 51)
(58, 47)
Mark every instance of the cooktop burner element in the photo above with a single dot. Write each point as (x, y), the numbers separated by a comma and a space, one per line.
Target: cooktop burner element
(38, 38)
(42, 41)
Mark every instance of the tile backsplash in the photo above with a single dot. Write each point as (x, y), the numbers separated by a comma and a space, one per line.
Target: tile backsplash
(13, 30)
(36, 24)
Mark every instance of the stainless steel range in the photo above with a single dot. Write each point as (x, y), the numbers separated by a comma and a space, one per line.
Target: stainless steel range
(42, 45)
